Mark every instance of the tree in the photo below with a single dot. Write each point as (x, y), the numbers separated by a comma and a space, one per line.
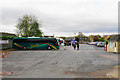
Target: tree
(91, 38)
(108, 38)
(101, 39)
(63, 37)
(80, 34)
(28, 26)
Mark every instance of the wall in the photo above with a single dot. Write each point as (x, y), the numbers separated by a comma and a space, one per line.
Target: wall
(118, 47)
(111, 46)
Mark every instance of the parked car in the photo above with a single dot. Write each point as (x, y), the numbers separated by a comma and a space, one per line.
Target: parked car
(67, 42)
(101, 44)
(87, 42)
(92, 43)
(96, 43)
(61, 41)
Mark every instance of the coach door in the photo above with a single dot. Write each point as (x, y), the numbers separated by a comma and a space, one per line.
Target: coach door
(115, 47)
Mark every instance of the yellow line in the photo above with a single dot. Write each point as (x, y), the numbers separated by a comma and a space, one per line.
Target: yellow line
(17, 45)
(53, 46)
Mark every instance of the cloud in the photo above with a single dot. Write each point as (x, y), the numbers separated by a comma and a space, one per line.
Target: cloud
(65, 16)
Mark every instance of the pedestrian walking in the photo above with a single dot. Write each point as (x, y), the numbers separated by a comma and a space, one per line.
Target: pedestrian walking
(77, 45)
(77, 42)
(73, 44)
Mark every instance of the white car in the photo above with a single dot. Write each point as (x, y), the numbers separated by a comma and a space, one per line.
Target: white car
(101, 44)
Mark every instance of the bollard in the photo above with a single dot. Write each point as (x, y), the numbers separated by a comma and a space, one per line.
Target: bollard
(3, 54)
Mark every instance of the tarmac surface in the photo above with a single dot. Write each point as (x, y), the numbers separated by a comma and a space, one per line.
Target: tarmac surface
(88, 62)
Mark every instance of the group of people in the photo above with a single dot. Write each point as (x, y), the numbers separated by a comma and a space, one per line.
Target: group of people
(75, 43)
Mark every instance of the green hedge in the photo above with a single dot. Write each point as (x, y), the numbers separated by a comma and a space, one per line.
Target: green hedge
(6, 37)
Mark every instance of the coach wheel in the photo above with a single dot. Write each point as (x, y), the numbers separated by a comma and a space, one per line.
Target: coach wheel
(49, 48)
(25, 48)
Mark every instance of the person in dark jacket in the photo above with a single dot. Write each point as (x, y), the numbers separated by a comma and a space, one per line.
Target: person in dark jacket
(73, 44)
(77, 42)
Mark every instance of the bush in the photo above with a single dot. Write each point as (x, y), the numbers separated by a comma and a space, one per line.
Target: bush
(6, 37)
(102, 39)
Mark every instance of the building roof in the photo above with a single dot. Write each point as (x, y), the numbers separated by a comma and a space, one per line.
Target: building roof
(115, 38)
(7, 34)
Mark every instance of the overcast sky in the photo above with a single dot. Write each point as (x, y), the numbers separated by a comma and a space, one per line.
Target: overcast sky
(63, 17)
